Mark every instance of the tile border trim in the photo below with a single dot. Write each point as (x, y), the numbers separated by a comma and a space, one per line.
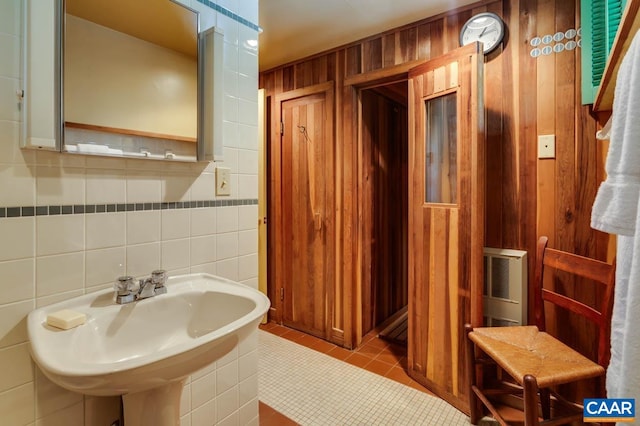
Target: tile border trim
(230, 14)
(54, 210)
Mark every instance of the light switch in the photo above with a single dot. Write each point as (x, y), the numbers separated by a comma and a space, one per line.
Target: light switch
(546, 146)
(223, 181)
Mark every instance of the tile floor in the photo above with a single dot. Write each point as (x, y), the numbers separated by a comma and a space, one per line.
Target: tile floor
(337, 393)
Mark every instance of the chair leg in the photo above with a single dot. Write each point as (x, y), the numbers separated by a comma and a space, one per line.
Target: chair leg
(530, 401)
(474, 402)
(545, 403)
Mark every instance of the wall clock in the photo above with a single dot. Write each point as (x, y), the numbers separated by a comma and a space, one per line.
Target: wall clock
(486, 27)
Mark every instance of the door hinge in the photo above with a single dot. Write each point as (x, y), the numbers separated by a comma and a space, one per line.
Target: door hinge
(282, 128)
(281, 293)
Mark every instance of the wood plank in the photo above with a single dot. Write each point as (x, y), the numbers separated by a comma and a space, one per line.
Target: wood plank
(128, 132)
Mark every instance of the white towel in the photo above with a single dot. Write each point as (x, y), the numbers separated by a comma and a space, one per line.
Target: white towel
(616, 211)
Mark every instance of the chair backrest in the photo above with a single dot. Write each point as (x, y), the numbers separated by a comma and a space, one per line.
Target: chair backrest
(595, 270)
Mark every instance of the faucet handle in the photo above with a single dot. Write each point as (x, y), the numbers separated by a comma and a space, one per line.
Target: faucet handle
(159, 277)
(124, 285)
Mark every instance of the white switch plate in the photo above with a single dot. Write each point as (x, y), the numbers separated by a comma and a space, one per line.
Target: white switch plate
(223, 181)
(546, 146)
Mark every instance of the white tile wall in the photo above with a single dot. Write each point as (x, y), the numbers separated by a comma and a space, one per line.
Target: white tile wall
(45, 259)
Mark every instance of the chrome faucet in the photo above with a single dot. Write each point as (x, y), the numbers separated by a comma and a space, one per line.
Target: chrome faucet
(127, 291)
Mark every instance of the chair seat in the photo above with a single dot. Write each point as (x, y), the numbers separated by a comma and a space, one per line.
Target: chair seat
(523, 350)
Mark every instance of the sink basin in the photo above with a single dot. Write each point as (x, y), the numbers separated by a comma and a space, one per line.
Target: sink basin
(150, 345)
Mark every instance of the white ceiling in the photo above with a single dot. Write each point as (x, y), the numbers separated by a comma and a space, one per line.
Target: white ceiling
(295, 29)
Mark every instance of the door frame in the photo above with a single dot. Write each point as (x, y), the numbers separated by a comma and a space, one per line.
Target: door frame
(354, 87)
(276, 261)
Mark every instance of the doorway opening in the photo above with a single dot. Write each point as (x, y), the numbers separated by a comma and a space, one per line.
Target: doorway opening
(384, 210)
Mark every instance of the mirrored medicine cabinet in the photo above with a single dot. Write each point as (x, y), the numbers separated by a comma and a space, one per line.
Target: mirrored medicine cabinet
(121, 78)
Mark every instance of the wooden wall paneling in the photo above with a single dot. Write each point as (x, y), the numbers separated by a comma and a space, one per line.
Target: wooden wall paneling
(494, 99)
(407, 48)
(523, 233)
(341, 326)
(350, 269)
(372, 54)
(523, 96)
(436, 38)
(389, 50)
(423, 50)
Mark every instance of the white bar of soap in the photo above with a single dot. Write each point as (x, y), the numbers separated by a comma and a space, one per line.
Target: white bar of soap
(66, 319)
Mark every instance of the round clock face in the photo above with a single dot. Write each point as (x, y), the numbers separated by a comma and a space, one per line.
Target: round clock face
(485, 27)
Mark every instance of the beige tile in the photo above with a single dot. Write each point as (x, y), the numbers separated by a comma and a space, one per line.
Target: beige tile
(143, 227)
(185, 400)
(232, 419)
(204, 187)
(204, 268)
(13, 323)
(98, 162)
(104, 265)
(60, 186)
(69, 416)
(227, 219)
(52, 158)
(59, 234)
(21, 232)
(248, 344)
(142, 259)
(247, 217)
(10, 151)
(10, 18)
(16, 405)
(203, 390)
(226, 245)
(248, 162)
(247, 186)
(59, 297)
(175, 224)
(227, 403)
(203, 221)
(176, 188)
(18, 280)
(106, 186)
(204, 415)
(247, 137)
(228, 268)
(9, 110)
(248, 390)
(51, 398)
(58, 274)
(10, 63)
(248, 412)
(143, 187)
(248, 365)
(251, 282)
(16, 368)
(231, 356)
(185, 420)
(203, 250)
(226, 377)
(203, 372)
(106, 230)
(247, 267)
(175, 254)
(18, 184)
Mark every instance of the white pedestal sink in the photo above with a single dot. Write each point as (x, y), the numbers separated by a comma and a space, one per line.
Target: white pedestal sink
(144, 350)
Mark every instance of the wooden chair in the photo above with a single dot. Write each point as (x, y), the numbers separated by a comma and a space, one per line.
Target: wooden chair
(535, 360)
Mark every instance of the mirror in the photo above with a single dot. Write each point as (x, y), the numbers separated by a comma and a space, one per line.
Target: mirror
(130, 79)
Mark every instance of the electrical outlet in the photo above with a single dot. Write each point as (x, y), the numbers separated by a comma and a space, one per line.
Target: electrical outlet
(223, 181)
(546, 146)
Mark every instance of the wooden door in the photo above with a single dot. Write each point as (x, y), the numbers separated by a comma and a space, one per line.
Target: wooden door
(446, 217)
(304, 243)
